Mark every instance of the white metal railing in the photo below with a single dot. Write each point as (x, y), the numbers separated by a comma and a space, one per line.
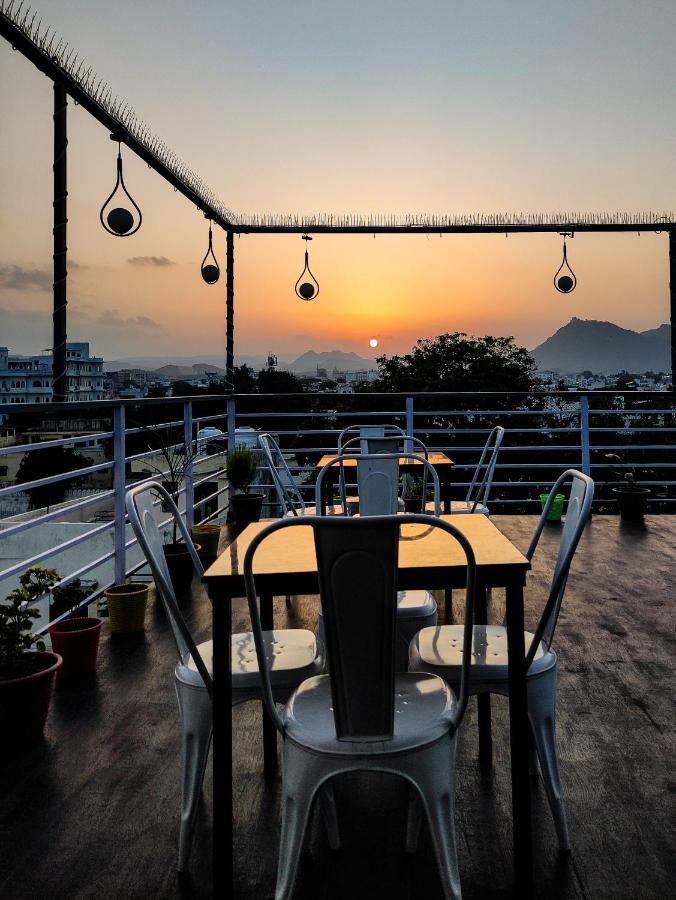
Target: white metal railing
(544, 434)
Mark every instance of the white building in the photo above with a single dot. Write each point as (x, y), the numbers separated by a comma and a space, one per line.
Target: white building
(28, 379)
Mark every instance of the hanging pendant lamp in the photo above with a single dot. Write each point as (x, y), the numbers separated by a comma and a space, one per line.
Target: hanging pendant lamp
(119, 221)
(211, 272)
(307, 286)
(565, 279)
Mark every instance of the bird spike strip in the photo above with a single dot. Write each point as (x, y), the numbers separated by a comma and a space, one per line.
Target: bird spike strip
(570, 221)
(73, 68)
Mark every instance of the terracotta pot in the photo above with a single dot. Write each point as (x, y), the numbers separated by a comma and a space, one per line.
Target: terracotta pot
(77, 641)
(181, 568)
(207, 536)
(127, 607)
(24, 701)
(632, 503)
(245, 508)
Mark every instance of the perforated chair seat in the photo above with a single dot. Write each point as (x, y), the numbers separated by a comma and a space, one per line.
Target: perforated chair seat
(294, 654)
(439, 650)
(460, 507)
(424, 706)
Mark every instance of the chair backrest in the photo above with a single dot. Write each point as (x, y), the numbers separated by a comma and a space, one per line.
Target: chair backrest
(579, 507)
(482, 480)
(368, 433)
(357, 563)
(288, 494)
(140, 502)
(377, 481)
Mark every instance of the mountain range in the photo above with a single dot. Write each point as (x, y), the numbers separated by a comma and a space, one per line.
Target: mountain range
(581, 344)
(604, 348)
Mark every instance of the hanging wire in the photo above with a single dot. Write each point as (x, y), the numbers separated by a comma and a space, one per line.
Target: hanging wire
(567, 282)
(307, 286)
(119, 221)
(211, 272)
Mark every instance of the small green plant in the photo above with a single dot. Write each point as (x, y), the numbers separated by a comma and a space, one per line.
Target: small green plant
(629, 476)
(16, 616)
(69, 597)
(412, 486)
(240, 467)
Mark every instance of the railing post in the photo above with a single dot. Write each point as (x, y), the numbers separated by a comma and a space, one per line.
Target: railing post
(584, 434)
(410, 425)
(120, 533)
(231, 422)
(189, 489)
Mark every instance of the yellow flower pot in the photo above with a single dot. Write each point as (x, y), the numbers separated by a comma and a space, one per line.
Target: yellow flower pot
(127, 607)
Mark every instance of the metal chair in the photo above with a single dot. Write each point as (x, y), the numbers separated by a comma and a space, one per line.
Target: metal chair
(289, 494)
(295, 655)
(476, 500)
(378, 482)
(442, 650)
(363, 716)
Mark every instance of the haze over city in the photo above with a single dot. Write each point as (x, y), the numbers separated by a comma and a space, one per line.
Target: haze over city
(378, 107)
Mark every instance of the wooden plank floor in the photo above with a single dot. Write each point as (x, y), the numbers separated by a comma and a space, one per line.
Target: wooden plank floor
(92, 812)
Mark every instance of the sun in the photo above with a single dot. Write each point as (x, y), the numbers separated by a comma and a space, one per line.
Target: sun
(373, 342)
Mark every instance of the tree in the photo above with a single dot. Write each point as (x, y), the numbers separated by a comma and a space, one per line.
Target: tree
(51, 461)
(458, 362)
(271, 381)
(243, 379)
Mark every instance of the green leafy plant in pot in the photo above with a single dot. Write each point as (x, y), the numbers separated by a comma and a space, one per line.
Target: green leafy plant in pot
(240, 468)
(412, 490)
(631, 497)
(74, 638)
(26, 675)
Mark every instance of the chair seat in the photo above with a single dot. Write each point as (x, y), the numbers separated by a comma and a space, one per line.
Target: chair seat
(293, 654)
(332, 509)
(424, 705)
(439, 650)
(413, 604)
(460, 507)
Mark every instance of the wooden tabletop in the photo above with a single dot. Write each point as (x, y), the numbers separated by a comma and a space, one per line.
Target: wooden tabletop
(435, 459)
(290, 553)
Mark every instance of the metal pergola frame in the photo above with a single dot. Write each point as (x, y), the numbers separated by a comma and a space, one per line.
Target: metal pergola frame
(72, 78)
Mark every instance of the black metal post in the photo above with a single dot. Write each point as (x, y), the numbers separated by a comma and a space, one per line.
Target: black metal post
(59, 372)
(230, 310)
(672, 303)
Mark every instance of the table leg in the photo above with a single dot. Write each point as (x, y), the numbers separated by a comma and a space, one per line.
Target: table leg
(483, 700)
(222, 748)
(448, 606)
(269, 730)
(446, 491)
(518, 740)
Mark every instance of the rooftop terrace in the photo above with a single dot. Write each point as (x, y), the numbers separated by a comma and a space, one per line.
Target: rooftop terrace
(93, 810)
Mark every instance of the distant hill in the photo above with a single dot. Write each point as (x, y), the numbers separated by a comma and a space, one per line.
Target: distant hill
(605, 348)
(154, 363)
(329, 360)
(197, 370)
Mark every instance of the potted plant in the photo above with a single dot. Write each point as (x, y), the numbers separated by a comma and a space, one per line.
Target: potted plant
(240, 468)
(75, 638)
(26, 675)
(127, 607)
(412, 493)
(631, 497)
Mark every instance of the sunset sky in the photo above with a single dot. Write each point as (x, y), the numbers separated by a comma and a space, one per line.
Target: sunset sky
(367, 106)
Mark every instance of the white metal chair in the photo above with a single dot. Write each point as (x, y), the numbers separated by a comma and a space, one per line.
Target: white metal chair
(295, 655)
(363, 716)
(289, 494)
(378, 482)
(442, 650)
(476, 500)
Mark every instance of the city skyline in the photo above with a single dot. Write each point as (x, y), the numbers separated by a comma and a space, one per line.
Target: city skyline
(385, 109)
